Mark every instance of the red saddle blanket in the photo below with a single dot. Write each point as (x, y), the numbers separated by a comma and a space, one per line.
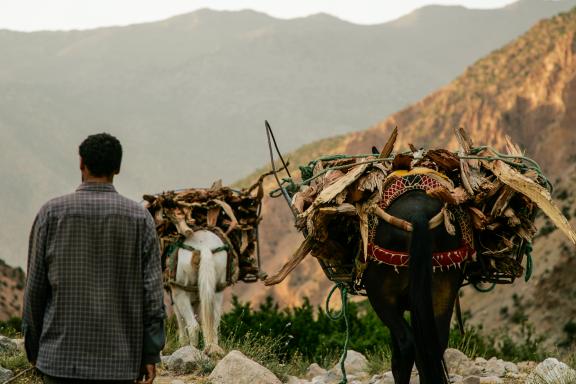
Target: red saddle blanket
(401, 259)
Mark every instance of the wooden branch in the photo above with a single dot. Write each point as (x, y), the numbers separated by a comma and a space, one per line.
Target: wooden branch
(230, 212)
(292, 263)
(331, 191)
(501, 203)
(402, 161)
(479, 220)
(445, 160)
(389, 147)
(178, 219)
(343, 209)
(512, 148)
(212, 217)
(536, 193)
(456, 196)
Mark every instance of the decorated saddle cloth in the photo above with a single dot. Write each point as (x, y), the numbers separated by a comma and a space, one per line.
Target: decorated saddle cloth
(425, 179)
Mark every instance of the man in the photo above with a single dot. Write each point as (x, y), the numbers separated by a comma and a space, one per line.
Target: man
(93, 309)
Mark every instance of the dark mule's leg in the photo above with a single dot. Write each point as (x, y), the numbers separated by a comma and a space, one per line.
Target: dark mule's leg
(445, 287)
(385, 290)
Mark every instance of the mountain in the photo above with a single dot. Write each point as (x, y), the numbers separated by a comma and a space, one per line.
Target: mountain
(187, 96)
(12, 282)
(527, 90)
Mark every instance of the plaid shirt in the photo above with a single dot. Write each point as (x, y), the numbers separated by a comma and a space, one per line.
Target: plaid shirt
(93, 305)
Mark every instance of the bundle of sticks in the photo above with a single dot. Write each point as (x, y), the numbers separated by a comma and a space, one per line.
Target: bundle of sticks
(232, 214)
(497, 194)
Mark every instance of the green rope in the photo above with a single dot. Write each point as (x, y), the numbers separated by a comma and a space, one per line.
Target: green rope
(480, 289)
(342, 314)
(171, 250)
(180, 244)
(529, 262)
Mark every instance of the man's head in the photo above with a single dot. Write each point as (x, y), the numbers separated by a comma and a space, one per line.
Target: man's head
(100, 156)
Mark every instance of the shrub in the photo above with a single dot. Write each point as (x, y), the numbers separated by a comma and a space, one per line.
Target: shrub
(11, 327)
(305, 331)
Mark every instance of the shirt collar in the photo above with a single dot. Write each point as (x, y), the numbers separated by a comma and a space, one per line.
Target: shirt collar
(96, 187)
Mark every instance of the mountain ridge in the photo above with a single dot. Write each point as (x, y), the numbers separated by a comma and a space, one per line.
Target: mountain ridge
(189, 109)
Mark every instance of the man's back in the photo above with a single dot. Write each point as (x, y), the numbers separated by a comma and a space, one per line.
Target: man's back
(94, 276)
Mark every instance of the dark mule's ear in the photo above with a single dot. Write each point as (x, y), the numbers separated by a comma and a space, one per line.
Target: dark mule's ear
(375, 151)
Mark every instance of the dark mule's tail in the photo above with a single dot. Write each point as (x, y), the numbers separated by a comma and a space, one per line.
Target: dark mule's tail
(429, 356)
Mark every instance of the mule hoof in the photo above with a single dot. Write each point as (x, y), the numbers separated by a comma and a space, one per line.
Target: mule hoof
(214, 351)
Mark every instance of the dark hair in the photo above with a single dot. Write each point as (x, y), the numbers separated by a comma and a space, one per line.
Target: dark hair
(102, 154)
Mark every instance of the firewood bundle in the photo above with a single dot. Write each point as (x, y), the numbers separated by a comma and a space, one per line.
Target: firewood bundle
(496, 195)
(232, 214)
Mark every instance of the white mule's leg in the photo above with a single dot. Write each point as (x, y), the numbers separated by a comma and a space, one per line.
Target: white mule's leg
(211, 346)
(182, 335)
(182, 300)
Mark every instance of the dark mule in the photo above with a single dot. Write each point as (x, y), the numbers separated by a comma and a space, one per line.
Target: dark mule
(428, 295)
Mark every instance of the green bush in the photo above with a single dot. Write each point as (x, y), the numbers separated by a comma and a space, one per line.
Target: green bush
(11, 327)
(304, 331)
(310, 335)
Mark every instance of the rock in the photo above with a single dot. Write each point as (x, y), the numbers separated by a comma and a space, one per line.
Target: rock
(185, 360)
(471, 380)
(459, 363)
(454, 357)
(511, 367)
(235, 368)
(480, 360)
(5, 374)
(470, 369)
(455, 379)
(386, 378)
(20, 344)
(332, 377)
(295, 380)
(495, 367)
(177, 382)
(551, 371)
(527, 366)
(7, 345)
(314, 370)
(355, 363)
(491, 380)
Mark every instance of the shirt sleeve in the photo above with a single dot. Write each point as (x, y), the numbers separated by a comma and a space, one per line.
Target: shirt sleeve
(154, 337)
(37, 291)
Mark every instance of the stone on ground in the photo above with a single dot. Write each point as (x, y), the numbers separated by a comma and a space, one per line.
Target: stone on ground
(552, 371)
(5, 374)
(235, 368)
(185, 360)
(314, 370)
(7, 345)
(354, 364)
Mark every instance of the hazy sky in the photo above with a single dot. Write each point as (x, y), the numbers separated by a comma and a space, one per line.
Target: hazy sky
(31, 15)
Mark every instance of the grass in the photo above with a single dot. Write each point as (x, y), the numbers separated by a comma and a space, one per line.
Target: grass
(17, 363)
(264, 350)
(379, 360)
(171, 329)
